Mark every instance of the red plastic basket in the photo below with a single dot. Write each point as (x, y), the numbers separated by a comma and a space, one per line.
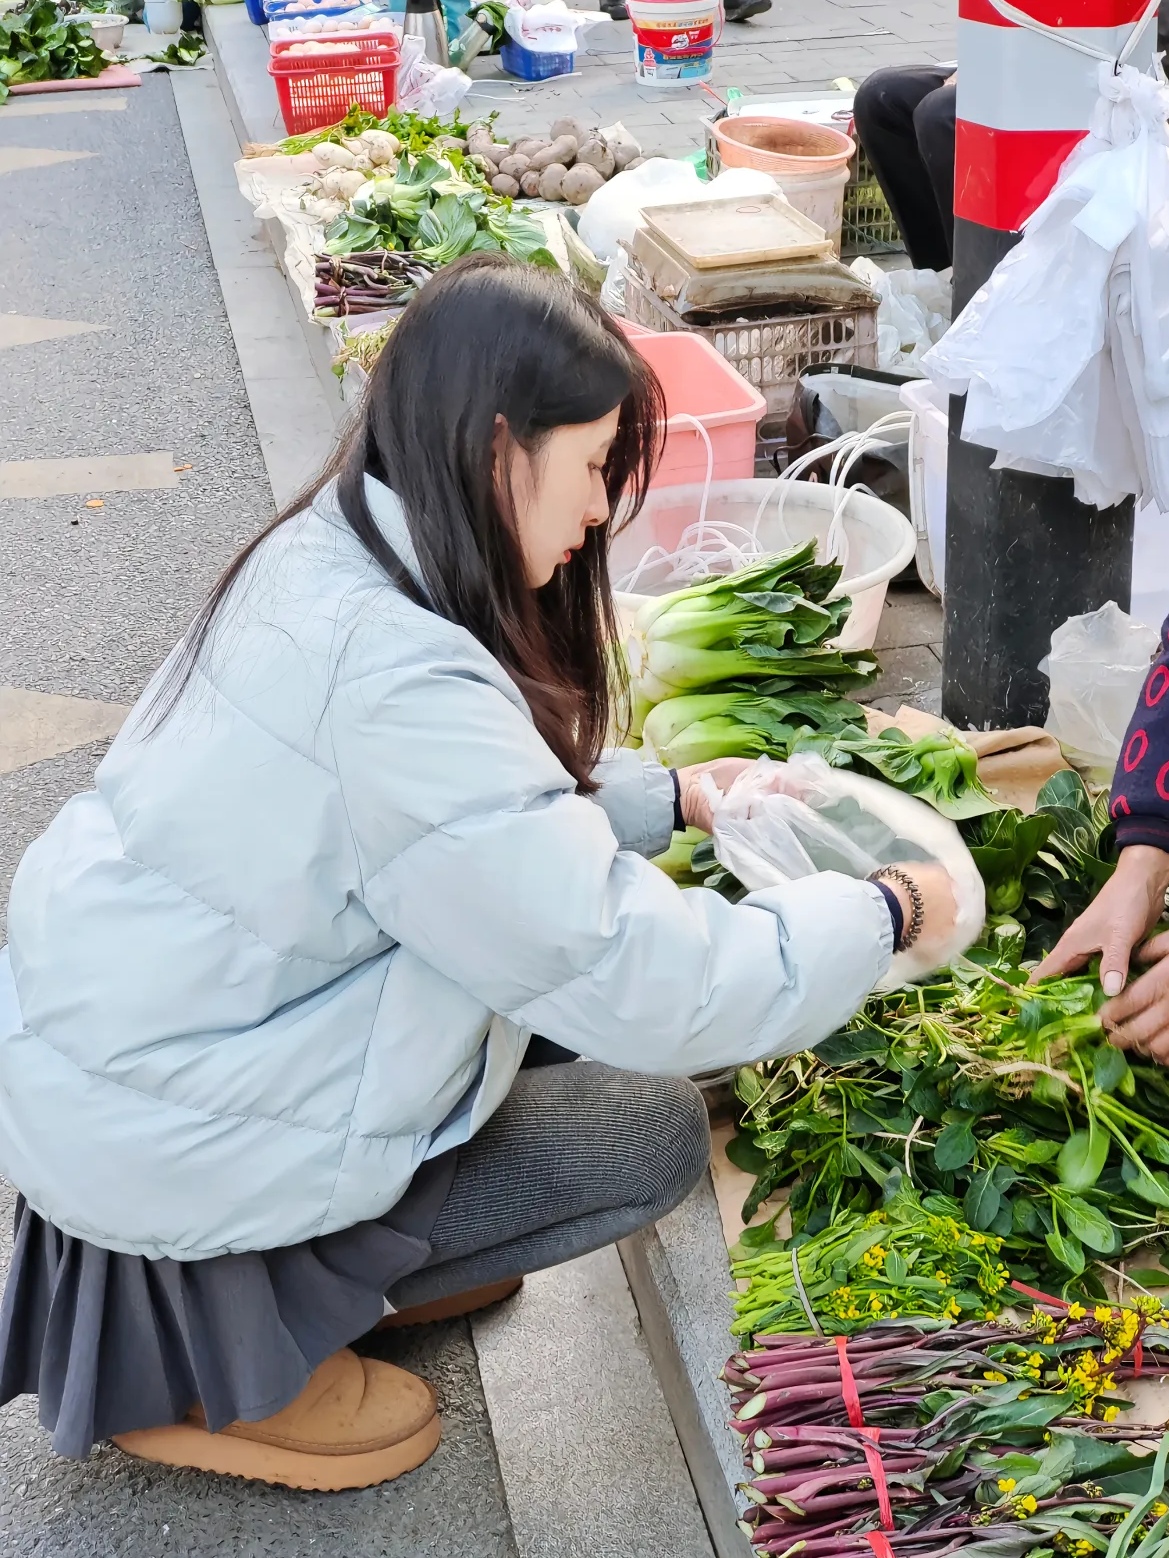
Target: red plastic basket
(318, 89)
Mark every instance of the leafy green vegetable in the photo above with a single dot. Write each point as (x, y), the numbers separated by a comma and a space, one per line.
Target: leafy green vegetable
(940, 768)
(1000, 1096)
(697, 727)
(445, 231)
(40, 43)
(769, 622)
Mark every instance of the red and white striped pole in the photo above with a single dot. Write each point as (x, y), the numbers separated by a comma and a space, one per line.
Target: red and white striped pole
(1021, 554)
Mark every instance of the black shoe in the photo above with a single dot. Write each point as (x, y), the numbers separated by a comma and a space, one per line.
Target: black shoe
(743, 10)
(616, 9)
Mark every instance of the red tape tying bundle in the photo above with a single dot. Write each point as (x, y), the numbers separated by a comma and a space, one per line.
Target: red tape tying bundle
(856, 1417)
(880, 1544)
(852, 1400)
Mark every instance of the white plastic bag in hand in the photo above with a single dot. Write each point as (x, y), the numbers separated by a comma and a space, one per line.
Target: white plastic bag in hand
(781, 821)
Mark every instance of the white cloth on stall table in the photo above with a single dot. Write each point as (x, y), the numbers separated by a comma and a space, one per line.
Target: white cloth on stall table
(1064, 353)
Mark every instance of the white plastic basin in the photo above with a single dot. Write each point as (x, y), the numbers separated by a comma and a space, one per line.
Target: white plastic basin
(879, 540)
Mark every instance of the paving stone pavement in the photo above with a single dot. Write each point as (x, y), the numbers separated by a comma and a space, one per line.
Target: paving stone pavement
(797, 45)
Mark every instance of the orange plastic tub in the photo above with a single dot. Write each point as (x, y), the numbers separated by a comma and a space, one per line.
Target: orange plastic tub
(779, 146)
(701, 386)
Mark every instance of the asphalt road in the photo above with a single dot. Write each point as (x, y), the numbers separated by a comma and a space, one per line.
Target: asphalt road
(91, 599)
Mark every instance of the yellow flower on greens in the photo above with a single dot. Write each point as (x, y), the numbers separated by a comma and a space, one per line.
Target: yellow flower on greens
(1006, 1484)
(995, 1378)
(1102, 1313)
(1076, 1311)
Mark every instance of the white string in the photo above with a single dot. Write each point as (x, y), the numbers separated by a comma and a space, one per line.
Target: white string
(1012, 13)
(846, 451)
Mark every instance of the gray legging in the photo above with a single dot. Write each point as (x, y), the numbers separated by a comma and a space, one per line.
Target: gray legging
(575, 1157)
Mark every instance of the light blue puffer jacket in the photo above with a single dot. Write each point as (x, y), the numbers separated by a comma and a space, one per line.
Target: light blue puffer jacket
(297, 939)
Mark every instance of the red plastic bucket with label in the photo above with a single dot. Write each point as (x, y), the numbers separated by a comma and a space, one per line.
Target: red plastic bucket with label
(673, 40)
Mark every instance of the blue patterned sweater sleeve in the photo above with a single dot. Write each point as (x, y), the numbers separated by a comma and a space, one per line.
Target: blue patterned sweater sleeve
(1140, 786)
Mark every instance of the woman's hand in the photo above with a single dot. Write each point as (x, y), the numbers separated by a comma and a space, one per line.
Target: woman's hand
(1118, 919)
(939, 908)
(696, 805)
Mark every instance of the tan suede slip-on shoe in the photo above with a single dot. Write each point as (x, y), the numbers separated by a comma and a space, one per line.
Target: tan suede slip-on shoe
(450, 1308)
(356, 1423)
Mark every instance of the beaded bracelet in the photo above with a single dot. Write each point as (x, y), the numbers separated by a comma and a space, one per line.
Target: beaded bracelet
(911, 931)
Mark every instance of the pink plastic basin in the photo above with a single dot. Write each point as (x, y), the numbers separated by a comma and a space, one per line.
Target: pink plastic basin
(700, 384)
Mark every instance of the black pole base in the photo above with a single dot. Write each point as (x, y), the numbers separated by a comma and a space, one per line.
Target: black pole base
(1022, 555)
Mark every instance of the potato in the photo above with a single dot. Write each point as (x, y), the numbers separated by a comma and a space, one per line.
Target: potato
(514, 166)
(636, 163)
(530, 184)
(529, 145)
(562, 150)
(625, 148)
(503, 184)
(579, 132)
(595, 154)
(552, 180)
(451, 143)
(581, 182)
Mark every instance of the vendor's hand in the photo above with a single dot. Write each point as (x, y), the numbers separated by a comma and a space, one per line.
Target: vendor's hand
(696, 805)
(1118, 919)
(940, 909)
(1138, 1019)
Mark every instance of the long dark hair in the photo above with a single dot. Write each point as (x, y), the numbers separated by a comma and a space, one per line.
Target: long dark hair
(488, 337)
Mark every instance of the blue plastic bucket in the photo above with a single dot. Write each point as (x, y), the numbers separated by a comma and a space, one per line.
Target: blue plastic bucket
(529, 65)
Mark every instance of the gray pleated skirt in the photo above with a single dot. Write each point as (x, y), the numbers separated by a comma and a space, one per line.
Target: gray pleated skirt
(111, 1343)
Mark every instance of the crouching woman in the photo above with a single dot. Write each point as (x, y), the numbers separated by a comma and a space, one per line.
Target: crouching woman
(270, 988)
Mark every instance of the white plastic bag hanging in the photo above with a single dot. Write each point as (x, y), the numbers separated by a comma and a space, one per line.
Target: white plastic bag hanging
(1064, 353)
(427, 88)
(1097, 665)
(782, 821)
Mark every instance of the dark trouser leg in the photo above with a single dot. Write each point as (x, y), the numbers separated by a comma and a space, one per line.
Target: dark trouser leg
(575, 1157)
(933, 120)
(885, 110)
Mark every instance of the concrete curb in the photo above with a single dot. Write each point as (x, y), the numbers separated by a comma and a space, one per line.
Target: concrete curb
(240, 51)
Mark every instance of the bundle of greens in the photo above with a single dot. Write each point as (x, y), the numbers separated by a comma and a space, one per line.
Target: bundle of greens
(417, 133)
(911, 1258)
(438, 213)
(361, 347)
(40, 43)
(698, 727)
(1080, 1491)
(1044, 869)
(367, 284)
(1004, 1097)
(940, 768)
(767, 623)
